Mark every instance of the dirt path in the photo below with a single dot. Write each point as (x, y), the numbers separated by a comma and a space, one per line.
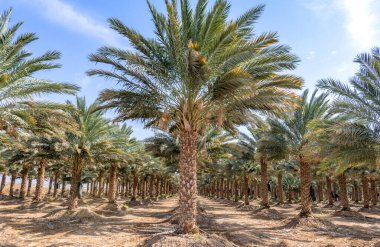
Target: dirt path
(24, 226)
(249, 228)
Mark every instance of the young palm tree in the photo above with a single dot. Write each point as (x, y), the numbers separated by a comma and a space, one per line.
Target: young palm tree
(89, 139)
(295, 129)
(17, 84)
(200, 69)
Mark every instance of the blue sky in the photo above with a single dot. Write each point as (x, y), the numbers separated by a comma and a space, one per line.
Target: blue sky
(325, 34)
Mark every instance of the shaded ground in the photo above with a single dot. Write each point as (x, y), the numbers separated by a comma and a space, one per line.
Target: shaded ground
(271, 227)
(27, 225)
(98, 224)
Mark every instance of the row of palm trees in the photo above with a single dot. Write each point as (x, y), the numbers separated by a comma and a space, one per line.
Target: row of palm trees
(197, 80)
(71, 141)
(202, 70)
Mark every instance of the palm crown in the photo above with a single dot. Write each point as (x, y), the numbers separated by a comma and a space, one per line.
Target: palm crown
(17, 67)
(200, 68)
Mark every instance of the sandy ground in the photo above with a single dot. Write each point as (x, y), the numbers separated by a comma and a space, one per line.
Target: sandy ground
(250, 227)
(25, 224)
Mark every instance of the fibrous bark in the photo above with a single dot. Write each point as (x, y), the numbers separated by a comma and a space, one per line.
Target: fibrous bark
(279, 189)
(373, 191)
(343, 192)
(365, 191)
(76, 174)
(329, 191)
(40, 181)
(112, 184)
(24, 181)
(305, 175)
(188, 181)
(264, 183)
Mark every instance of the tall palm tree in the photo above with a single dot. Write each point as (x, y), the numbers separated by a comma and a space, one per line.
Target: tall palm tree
(17, 83)
(200, 69)
(295, 129)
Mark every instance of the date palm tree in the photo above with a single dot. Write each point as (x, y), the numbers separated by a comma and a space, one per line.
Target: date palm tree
(199, 69)
(358, 102)
(17, 83)
(89, 139)
(295, 129)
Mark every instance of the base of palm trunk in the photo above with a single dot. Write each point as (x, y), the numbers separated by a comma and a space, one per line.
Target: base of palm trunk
(305, 214)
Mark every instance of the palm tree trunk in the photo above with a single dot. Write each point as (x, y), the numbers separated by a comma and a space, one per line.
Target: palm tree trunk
(122, 188)
(12, 185)
(217, 188)
(76, 174)
(151, 187)
(158, 182)
(39, 194)
(329, 191)
(280, 189)
(255, 189)
(290, 198)
(236, 190)
(305, 175)
(106, 186)
(213, 188)
(354, 192)
(55, 189)
(264, 183)
(134, 187)
(30, 180)
(373, 191)
(2, 185)
(357, 192)
(101, 186)
(143, 187)
(24, 181)
(112, 184)
(50, 185)
(93, 190)
(246, 196)
(360, 193)
(343, 192)
(228, 194)
(63, 189)
(188, 181)
(126, 187)
(365, 192)
(320, 191)
(241, 189)
(222, 188)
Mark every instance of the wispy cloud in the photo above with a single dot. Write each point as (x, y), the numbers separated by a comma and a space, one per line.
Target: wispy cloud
(67, 16)
(361, 22)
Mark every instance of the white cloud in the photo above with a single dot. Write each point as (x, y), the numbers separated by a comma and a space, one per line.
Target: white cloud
(322, 8)
(334, 52)
(361, 22)
(66, 15)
